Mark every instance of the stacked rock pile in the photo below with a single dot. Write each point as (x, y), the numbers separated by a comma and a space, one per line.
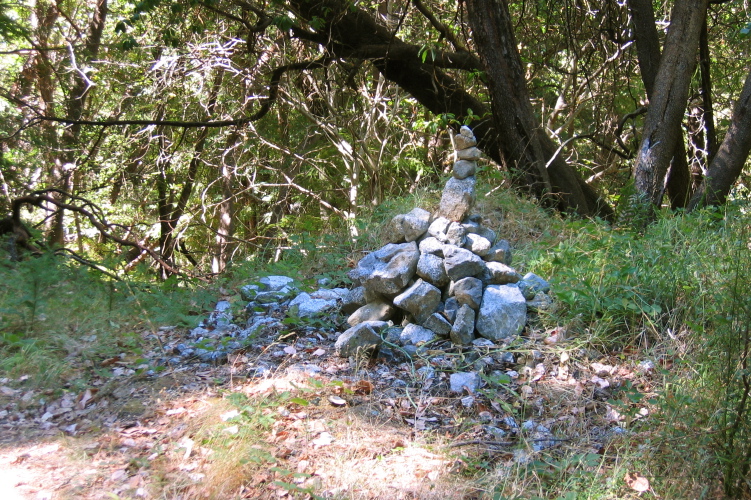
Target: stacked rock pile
(443, 275)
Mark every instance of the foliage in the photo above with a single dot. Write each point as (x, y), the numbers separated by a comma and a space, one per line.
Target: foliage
(59, 321)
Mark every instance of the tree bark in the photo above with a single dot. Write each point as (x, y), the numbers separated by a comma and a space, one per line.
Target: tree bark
(731, 156)
(662, 126)
(348, 28)
(648, 54)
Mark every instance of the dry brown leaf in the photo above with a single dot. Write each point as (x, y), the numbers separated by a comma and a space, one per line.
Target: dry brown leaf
(637, 482)
(363, 387)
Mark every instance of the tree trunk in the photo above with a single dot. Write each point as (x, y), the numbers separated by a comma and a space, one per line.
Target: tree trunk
(348, 28)
(648, 53)
(731, 156)
(662, 126)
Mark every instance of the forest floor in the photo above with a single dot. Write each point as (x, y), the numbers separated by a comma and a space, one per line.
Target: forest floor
(291, 419)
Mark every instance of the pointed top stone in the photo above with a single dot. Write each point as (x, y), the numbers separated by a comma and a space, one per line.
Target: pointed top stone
(466, 131)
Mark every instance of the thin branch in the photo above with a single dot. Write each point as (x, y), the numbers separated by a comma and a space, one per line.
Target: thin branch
(265, 107)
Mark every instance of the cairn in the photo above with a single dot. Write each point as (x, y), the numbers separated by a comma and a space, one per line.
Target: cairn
(442, 275)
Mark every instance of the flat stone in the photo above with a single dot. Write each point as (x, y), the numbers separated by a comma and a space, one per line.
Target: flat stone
(360, 339)
(416, 334)
(431, 268)
(461, 380)
(497, 273)
(421, 300)
(305, 306)
(468, 291)
(462, 332)
(432, 246)
(458, 198)
(437, 323)
(461, 263)
(471, 154)
(463, 169)
(464, 142)
(375, 311)
(275, 283)
(503, 313)
(389, 269)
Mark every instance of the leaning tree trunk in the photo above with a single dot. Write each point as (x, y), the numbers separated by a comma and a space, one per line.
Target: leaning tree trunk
(662, 126)
(528, 153)
(648, 52)
(731, 156)
(351, 32)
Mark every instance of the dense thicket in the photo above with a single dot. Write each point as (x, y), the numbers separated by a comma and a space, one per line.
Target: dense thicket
(205, 129)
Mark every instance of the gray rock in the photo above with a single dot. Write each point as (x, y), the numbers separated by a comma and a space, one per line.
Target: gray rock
(470, 154)
(463, 169)
(461, 263)
(360, 339)
(430, 268)
(409, 227)
(464, 142)
(462, 332)
(329, 293)
(438, 228)
(481, 342)
(432, 245)
(421, 300)
(458, 198)
(500, 252)
(503, 313)
(466, 131)
(389, 269)
(392, 335)
(305, 306)
(450, 308)
(276, 283)
(461, 380)
(468, 291)
(540, 302)
(497, 273)
(477, 244)
(456, 234)
(472, 226)
(415, 335)
(259, 325)
(375, 311)
(488, 234)
(437, 323)
(540, 285)
(527, 289)
(354, 300)
(221, 316)
(271, 297)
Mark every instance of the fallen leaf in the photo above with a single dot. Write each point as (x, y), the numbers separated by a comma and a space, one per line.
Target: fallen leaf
(290, 350)
(363, 387)
(319, 352)
(637, 482)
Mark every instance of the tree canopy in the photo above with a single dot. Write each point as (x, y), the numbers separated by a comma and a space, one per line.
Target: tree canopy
(199, 129)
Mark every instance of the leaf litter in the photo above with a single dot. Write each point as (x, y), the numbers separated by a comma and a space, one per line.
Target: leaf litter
(354, 428)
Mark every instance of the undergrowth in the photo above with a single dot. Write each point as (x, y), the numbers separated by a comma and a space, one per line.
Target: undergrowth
(59, 321)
